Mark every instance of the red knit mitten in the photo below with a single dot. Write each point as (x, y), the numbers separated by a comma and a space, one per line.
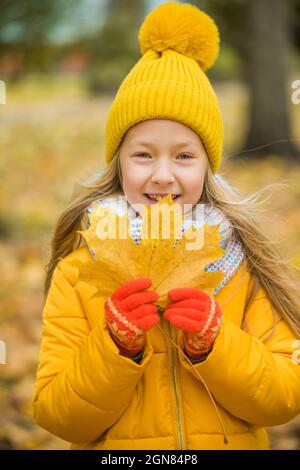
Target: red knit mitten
(129, 313)
(198, 315)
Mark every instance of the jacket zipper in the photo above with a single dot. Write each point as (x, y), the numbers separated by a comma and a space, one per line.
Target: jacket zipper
(175, 382)
(179, 420)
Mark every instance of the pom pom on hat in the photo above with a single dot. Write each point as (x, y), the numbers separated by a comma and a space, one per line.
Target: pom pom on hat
(183, 28)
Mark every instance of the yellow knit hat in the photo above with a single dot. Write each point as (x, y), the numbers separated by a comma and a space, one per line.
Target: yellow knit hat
(178, 42)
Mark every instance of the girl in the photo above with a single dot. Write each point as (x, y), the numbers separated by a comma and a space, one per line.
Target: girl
(209, 372)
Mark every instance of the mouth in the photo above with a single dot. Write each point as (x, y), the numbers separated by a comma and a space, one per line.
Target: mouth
(154, 197)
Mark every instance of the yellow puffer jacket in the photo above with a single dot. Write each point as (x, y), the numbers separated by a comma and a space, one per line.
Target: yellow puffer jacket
(90, 395)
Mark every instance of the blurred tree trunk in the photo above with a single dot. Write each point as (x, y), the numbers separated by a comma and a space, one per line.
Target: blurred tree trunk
(115, 49)
(266, 71)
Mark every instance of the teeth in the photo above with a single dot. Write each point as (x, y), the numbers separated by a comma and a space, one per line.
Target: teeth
(158, 197)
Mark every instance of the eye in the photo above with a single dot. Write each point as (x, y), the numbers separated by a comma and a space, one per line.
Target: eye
(142, 155)
(186, 155)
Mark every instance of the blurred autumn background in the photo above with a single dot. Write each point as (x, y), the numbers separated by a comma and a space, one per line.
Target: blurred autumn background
(61, 62)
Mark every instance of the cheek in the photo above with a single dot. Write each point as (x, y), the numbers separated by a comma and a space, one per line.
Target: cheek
(134, 178)
(193, 185)
(194, 179)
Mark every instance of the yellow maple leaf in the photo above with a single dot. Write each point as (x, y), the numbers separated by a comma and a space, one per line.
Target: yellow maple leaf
(167, 257)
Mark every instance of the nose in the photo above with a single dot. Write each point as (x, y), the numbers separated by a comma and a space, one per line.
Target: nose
(162, 174)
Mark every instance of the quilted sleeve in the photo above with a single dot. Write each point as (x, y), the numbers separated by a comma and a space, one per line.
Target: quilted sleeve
(83, 385)
(254, 375)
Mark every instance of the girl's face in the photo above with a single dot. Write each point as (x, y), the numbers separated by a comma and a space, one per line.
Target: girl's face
(161, 156)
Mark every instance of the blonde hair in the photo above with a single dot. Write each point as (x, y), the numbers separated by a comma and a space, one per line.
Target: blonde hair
(263, 259)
